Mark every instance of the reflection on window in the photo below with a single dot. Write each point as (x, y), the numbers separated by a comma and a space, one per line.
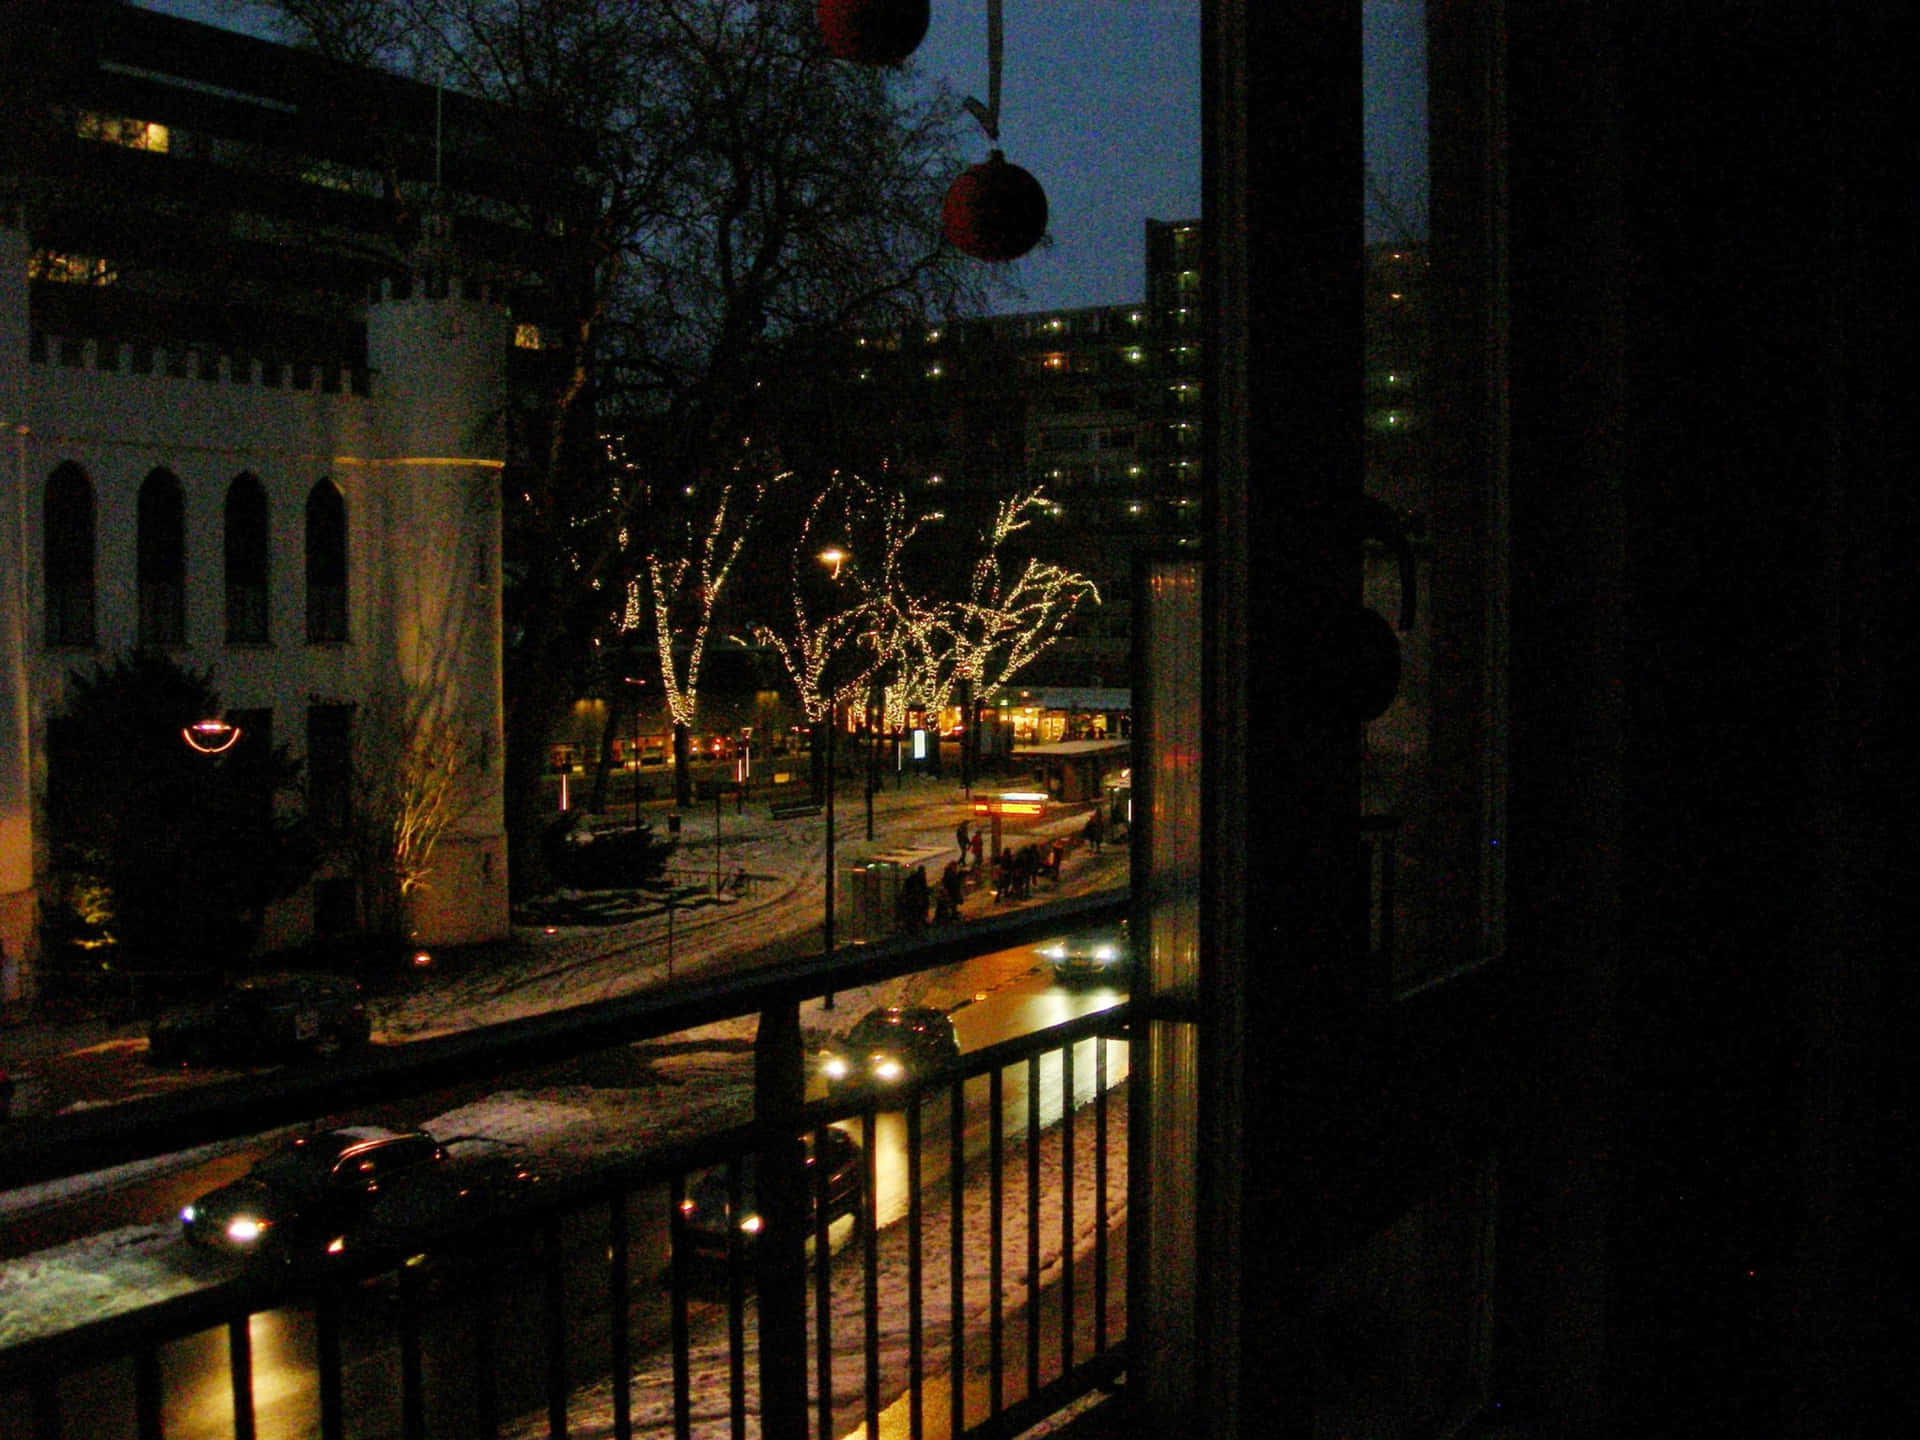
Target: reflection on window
(161, 560)
(66, 539)
(246, 561)
(326, 565)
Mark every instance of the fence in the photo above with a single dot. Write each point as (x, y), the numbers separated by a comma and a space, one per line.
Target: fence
(975, 1281)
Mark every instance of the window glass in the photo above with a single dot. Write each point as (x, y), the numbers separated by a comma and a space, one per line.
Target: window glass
(67, 527)
(326, 564)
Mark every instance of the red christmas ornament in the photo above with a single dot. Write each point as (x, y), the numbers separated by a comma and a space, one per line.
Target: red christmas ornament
(995, 211)
(873, 32)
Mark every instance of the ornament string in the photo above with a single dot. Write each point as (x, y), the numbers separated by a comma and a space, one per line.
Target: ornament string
(989, 114)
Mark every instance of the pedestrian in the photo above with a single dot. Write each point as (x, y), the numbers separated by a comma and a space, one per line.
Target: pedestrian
(979, 848)
(960, 837)
(1096, 831)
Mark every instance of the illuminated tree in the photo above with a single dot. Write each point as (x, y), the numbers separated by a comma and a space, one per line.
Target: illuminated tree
(828, 645)
(683, 575)
(410, 763)
(873, 626)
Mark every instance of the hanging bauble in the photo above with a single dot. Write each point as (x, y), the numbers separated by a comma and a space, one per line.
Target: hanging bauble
(995, 211)
(873, 32)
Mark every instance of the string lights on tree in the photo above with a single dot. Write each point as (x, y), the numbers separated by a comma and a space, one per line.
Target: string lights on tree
(876, 625)
(682, 571)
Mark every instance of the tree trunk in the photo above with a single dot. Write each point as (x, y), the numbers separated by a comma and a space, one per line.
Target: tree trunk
(682, 777)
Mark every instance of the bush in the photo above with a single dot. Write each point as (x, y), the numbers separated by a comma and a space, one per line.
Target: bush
(581, 856)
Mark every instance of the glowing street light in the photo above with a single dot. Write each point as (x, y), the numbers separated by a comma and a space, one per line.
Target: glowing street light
(210, 737)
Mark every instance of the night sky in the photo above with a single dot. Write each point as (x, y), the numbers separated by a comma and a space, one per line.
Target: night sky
(1100, 99)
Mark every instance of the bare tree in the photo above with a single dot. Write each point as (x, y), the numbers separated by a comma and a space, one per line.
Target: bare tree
(737, 190)
(410, 763)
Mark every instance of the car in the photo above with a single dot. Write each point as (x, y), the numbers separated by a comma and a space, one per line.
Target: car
(706, 1209)
(891, 1047)
(334, 1192)
(264, 1018)
(1101, 956)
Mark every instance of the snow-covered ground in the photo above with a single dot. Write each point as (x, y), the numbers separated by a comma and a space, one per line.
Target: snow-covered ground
(708, 1074)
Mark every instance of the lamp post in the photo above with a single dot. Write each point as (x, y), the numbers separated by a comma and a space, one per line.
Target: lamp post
(635, 761)
(833, 557)
(833, 718)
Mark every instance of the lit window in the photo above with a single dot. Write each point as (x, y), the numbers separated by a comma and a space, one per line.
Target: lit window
(63, 269)
(118, 130)
(526, 337)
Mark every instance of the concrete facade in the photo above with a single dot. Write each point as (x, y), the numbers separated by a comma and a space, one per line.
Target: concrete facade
(411, 445)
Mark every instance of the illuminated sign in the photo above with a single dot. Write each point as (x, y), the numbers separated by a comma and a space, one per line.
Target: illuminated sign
(1012, 802)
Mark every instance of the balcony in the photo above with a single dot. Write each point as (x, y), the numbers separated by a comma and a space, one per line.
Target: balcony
(985, 1238)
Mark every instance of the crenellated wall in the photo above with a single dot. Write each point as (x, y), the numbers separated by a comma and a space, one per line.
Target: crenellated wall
(413, 446)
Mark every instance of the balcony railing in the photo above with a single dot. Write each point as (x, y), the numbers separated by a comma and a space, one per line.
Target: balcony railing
(972, 1282)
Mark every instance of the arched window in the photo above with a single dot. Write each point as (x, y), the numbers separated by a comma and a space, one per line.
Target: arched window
(160, 561)
(326, 564)
(246, 557)
(66, 537)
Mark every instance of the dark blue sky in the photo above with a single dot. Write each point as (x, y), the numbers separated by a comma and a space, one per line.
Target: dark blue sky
(1100, 99)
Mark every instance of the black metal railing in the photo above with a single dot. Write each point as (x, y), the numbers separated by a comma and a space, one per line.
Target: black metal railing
(592, 1308)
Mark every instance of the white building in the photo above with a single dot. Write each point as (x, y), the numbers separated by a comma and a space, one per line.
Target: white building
(321, 535)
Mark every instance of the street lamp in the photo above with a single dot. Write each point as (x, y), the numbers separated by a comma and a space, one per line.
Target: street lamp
(210, 737)
(833, 557)
(635, 762)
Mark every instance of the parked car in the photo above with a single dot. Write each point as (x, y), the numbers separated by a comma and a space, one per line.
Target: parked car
(892, 1047)
(264, 1018)
(332, 1192)
(1102, 956)
(707, 1212)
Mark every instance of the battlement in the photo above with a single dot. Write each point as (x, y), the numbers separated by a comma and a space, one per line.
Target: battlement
(196, 362)
(435, 285)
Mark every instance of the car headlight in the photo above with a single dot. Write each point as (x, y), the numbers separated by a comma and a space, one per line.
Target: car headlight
(889, 1069)
(188, 1215)
(1105, 954)
(244, 1229)
(336, 1245)
(835, 1067)
(751, 1224)
(1055, 953)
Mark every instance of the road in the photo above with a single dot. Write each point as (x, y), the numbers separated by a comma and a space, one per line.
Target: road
(998, 997)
